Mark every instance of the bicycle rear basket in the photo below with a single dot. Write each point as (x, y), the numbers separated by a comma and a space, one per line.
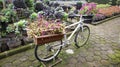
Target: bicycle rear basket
(39, 40)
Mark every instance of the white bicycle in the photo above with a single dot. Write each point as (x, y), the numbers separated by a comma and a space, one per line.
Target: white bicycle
(51, 50)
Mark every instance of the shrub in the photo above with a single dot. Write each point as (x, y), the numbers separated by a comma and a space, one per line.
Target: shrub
(88, 9)
(29, 3)
(103, 5)
(20, 26)
(98, 17)
(33, 16)
(109, 11)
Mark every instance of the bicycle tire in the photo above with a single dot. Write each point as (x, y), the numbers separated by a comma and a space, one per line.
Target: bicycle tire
(80, 32)
(48, 58)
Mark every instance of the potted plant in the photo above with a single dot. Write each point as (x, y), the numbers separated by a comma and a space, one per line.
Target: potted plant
(78, 5)
(33, 16)
(39, 6)
(88, 10)
(10, 30)
(19, 4)
(20, 27)
(3, 22)
(9, 13)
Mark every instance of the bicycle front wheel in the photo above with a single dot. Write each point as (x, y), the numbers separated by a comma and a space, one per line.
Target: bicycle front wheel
(48, 51)
(82, 37)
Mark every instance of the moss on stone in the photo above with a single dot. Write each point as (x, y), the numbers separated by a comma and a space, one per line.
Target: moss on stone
(112, 56)
(115, 58)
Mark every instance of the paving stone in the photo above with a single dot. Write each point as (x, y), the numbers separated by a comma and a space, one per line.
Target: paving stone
(31, 58)
(73, 61)
(89, 59)
(105, 62)
(24, 58)
(71, 65)
(97, 58)
(82, 54)
(97, 49)
(78, 64)
(81, 59)
(105, 57)
(92, 64)
(90, 49)
(90, 54)
(25, 64)
(30, 66)
(104, 52)
(104, 48)
(97, 53)
(110, 51)
(111, 65)
(35, 63)
(17, 62)
(97, 64)
(7, 65)
(97, 45)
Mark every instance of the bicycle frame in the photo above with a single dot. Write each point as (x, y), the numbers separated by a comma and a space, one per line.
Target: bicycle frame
(79, 24)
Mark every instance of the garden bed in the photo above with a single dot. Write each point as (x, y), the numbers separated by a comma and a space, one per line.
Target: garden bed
(107, 19)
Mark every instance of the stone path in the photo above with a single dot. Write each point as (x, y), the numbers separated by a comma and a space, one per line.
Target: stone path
(102, 50)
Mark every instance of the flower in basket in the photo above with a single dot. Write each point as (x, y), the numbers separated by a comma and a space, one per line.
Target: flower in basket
(43, 27)
(88, 9)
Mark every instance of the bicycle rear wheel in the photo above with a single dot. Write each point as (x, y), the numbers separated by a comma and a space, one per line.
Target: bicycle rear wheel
(82, 37)
(48, 51)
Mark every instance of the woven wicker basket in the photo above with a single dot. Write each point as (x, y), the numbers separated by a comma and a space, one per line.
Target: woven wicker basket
(39, 40)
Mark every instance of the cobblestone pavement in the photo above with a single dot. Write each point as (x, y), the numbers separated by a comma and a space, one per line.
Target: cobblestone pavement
(102, 50)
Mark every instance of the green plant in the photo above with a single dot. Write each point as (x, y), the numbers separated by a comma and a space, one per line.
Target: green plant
(103, 5)
(33, 16)
(2, 33)
(29, 3)
(10, 28)
(65, 16)
(9, 13)
(4, 19)
(118, 2)
(88, 9)
(20, 26)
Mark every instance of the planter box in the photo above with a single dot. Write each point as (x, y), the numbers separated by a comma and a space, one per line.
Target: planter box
(47, 38)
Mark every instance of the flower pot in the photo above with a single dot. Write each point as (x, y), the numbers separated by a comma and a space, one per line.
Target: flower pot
(19, 4)
(24, 33)
(3, 44)
(11, 35)
(47, 38)
(78, 5)
(13, 43)
(87, 18)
